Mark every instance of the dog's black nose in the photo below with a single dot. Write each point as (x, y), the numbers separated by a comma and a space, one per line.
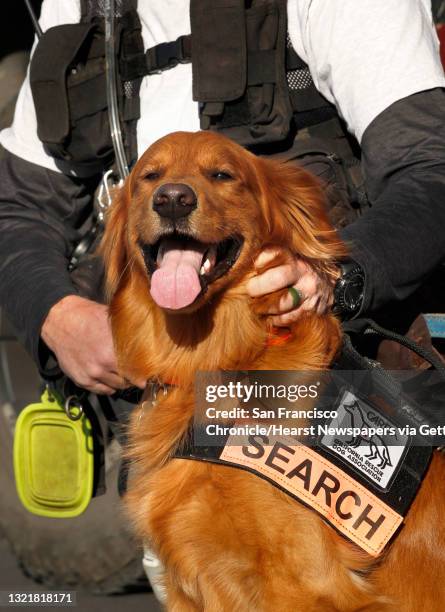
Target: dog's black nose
(174, 200)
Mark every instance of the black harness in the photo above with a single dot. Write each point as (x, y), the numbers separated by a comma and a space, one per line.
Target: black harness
(382, 471)
(249, 82)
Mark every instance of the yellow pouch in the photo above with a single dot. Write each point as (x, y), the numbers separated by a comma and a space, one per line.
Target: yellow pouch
(53, 459)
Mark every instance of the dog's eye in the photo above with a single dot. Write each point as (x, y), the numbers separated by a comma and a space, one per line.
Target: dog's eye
(220, 175)
(151, 176)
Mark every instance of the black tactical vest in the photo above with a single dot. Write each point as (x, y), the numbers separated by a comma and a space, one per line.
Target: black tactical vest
(250, 85)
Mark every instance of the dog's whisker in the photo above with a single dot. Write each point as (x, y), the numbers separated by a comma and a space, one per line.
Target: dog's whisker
(129, 264)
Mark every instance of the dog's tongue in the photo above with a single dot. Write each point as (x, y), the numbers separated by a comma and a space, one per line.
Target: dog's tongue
(175, 284)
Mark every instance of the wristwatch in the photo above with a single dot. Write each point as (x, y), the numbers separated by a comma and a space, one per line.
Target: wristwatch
(349, 290)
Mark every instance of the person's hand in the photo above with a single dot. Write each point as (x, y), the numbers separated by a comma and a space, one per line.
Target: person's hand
(311, 292)
(78, 332)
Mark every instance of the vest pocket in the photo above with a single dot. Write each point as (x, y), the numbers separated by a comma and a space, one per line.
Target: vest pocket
(241, 84)
(68, 84)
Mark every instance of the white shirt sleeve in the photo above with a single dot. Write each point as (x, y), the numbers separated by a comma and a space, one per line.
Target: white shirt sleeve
(364, 55)
(21, 137)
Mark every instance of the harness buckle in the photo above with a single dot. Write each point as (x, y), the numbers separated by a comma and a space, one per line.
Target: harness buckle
(166, 56)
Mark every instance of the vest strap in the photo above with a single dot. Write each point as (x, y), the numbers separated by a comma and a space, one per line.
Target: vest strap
(157, 59)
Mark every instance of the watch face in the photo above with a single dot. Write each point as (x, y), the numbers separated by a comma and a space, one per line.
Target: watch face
(349, 290)
(353, 292)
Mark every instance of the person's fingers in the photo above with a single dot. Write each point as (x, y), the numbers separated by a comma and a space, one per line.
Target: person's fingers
(278, 277)
(282, 320)
(94, 386)
(78, 331)
(266, 257)
(141, 384)
(111, 379)
(325, 302)
(306, 288)
(100, 389)
(287, 301)
(271, 280)
(286, 319)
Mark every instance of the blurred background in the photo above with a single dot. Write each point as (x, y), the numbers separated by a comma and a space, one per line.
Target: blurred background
(16, 37)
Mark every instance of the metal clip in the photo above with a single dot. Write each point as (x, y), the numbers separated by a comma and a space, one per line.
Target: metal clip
(151, 395)
(154, 388)
(104, 198)
(73, 402)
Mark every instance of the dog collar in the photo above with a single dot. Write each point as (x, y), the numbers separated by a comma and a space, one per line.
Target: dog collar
(278, 336)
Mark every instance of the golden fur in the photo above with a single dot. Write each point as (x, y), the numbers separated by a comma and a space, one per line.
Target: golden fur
(229, 540)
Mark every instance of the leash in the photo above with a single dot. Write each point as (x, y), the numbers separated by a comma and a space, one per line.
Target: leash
(368, 326)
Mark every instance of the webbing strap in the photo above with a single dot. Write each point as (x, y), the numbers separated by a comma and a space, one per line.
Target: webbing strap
(158, 58)
(260, 70)
(261, 64)
(294, 61)
(368, 326)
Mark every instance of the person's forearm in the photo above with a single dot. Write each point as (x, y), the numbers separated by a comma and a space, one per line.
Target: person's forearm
(401, 239)
(33, 278)
(39, 212)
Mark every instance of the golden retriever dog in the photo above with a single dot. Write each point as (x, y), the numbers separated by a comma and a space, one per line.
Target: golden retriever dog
(179, 247)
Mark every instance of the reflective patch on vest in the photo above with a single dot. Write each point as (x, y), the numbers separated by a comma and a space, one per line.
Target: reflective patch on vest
(366, 440)
(301, 472)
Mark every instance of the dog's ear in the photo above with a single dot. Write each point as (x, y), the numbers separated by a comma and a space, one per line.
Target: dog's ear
(295, 208)
(113, 247)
